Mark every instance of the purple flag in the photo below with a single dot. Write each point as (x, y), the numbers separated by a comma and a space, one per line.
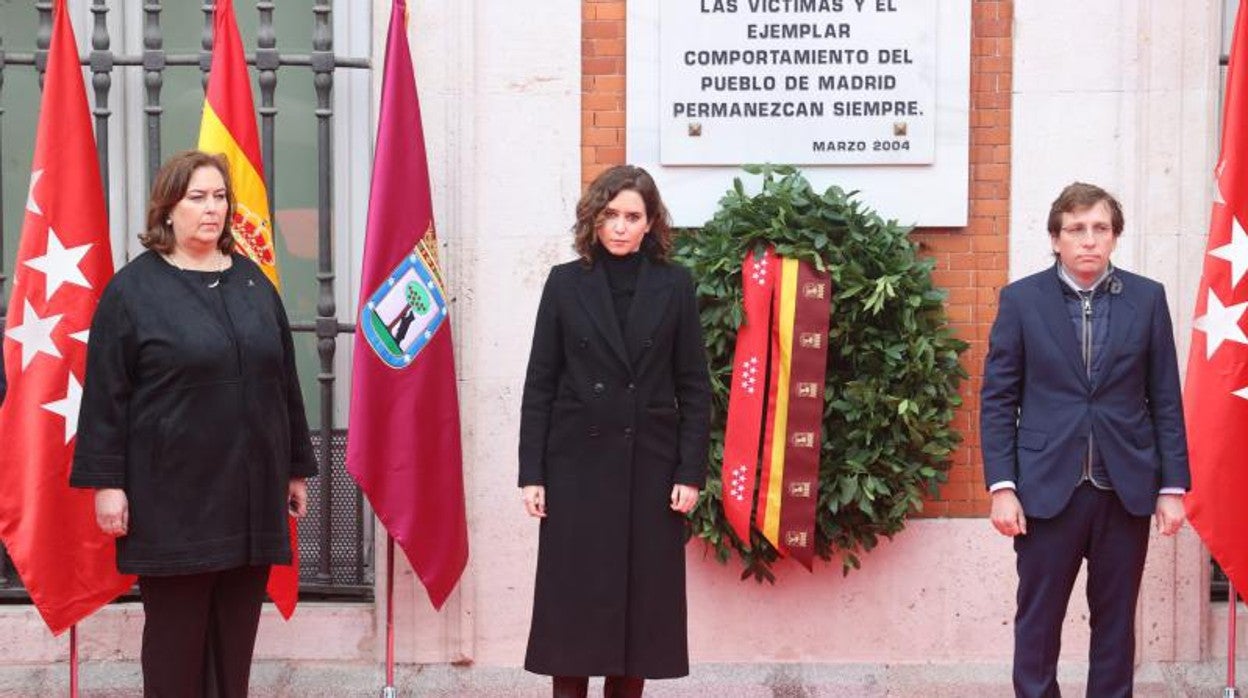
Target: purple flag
(403, 439)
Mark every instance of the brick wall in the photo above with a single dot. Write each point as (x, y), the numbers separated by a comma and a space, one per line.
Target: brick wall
(971, 262)
(602, 84)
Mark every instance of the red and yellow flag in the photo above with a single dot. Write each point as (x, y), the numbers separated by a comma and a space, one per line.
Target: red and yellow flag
(229, 127)
(777, 422)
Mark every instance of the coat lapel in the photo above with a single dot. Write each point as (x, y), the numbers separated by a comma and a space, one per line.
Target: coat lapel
(595, 297)
(649, 305)
(1055, 316)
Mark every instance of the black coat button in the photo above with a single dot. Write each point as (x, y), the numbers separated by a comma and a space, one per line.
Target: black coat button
(584, 342)
(628, 432)
(632, 387)
(599, 388)
(647, 342)
(593, 430)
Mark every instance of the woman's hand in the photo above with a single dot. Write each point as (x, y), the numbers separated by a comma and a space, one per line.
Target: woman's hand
(112, 511)
(683, 498)
(534, 497)
(297, 497)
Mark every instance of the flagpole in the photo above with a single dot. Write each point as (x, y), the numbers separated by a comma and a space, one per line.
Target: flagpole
(1233, 596)
(73, 661)
(389, 691)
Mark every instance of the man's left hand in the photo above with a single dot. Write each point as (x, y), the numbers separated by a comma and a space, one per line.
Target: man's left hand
(1170, 514)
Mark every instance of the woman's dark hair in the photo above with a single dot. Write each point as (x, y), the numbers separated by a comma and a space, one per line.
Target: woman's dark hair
(169, 187)
(606, 187)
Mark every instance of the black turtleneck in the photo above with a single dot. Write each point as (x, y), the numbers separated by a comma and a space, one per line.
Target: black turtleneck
(622, 274)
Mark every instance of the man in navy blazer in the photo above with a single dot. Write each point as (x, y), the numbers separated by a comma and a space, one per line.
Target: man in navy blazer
(1081, 425)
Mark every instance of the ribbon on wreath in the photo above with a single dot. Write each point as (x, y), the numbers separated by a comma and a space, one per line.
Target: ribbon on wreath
(776, 398)
(746, 397)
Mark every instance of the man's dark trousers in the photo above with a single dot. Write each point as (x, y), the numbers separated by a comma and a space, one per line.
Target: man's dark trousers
(1094, 525)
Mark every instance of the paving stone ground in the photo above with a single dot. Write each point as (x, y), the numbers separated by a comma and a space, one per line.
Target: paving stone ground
(316, 680)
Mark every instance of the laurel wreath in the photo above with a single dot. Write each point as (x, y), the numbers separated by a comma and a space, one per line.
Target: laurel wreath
(893, 361)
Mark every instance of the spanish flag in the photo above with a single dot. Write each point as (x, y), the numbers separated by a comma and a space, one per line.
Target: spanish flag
(229, 127)
(777, 422)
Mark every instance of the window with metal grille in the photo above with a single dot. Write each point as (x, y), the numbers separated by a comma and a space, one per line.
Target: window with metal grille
(146, 64)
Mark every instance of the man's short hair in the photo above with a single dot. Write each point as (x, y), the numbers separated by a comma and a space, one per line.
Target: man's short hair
(1078, 196)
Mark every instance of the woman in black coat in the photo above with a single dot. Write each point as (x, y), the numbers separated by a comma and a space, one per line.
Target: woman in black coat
(193, 434)
(614, 431)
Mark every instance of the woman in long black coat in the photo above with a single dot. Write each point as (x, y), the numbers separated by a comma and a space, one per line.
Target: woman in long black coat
(613, 444)
(192, 433)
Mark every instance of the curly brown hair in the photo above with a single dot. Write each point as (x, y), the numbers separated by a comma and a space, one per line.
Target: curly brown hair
(169, 187)
(601, 191)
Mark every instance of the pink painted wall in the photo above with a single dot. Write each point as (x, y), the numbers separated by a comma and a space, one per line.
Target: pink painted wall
(942, 591)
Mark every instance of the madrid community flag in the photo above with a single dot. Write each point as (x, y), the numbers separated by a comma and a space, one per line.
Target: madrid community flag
(63, 262)
(229, 127)
(1216, 391)
(403, 445)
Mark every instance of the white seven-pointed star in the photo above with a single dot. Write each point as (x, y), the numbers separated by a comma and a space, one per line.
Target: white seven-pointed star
(35, 334)
(1221, 323)
(68, 406)
(81, 336)
(30, 194)
(1235, 252)
(60, 264)
(1241, 393)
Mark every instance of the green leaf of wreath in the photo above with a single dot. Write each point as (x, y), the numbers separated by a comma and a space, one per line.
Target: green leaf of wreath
(893, 361)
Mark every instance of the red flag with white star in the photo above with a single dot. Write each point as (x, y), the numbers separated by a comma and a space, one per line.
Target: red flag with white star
(63, 262)
(1216, 392)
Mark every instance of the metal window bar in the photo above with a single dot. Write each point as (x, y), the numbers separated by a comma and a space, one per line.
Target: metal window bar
(336, 560)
